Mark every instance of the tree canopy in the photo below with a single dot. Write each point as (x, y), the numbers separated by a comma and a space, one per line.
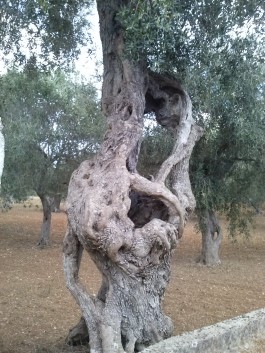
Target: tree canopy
(175, 37)
(50, 124)
(51, 31)
(228, 159)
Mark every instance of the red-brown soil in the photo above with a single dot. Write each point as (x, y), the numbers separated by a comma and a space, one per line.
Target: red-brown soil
(36, 310)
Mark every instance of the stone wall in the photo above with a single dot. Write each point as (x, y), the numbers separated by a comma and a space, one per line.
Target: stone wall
(223, 337)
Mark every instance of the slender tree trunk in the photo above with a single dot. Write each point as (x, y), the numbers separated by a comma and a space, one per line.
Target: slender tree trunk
(44, 239)
(128, 224)
(256, 207)
(55, 203)
(2, 151)
(211, 237)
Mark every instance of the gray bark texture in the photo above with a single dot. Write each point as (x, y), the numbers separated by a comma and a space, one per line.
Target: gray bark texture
(128, 224)
(55, 203)
(2, 151)
(211, 237)
(44, 239)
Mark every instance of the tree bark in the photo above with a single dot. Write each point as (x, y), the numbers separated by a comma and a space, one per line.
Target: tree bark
(55, 203)
(2, 151)
(44, 239)
(129, 225)
(211, 237)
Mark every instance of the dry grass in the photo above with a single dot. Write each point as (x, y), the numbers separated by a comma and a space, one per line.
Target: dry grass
(36, 310)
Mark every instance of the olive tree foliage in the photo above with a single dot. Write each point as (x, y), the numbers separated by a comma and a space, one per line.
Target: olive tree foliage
(50, 124)
(217, 52)
(227, 164)
(52, 31)
(177, 36)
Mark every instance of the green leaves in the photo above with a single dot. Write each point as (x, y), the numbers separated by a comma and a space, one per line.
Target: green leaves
(149, 27)
(230, 92)
(51, 124)
(51, 30)
(216, 49)
(173, 36)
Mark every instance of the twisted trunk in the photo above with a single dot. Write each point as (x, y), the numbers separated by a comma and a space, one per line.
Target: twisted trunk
(128, 224)
(211, 237)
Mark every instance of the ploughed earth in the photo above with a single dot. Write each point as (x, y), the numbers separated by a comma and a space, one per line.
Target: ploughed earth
(36, 309)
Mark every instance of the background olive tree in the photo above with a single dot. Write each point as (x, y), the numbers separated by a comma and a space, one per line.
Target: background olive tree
(227, 164)
(50, 124)
(51, 31)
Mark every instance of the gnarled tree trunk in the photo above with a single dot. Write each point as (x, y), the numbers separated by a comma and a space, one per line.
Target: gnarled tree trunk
(128, 224)
(211, 237)
(45, 232)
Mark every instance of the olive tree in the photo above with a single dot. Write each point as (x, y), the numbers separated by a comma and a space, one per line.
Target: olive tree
(51, 31)
(227, 161)
(128, 224)
(50, 124)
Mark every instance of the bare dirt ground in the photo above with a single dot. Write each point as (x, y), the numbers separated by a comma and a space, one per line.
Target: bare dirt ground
(36, 310)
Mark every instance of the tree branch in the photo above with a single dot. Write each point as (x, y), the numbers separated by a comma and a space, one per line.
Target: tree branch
(158, 190)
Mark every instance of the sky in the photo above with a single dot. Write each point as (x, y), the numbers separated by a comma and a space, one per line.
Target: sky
(89, 66)
(86, 66)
